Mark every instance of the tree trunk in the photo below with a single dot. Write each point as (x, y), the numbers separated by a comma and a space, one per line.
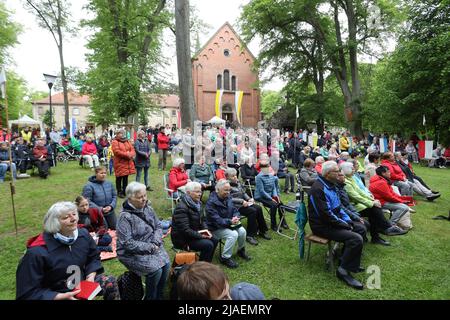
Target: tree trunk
(187, 103)
(63, 71)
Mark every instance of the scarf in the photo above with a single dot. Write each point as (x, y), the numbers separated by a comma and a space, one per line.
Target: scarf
(192, 203)
(66, 240)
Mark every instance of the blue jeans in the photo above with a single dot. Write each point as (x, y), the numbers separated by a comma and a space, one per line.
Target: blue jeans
(138, 175)
(155, 283)
(4, 167)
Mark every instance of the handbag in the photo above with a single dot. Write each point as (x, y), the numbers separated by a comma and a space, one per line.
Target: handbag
(130, 286)
(184, 258)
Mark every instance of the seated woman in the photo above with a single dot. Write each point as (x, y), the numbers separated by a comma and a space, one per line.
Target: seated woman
(46, 271)
(358, 176)
(381, 188)
(439, 160)
(92, 219)
(418, 185)
(41, 158)
(247, 207)
(264, 157)
(5, 164)
(319, 161)
(332, 153)
(189, 231)
(89, 153)
(283, 173)
(248, 171)
(367, 206)
(268, 193)
(308, 174)
(202, 173)
(178, 177)
(102, 195)
(305, 154)
(412, 152)
(220, 172)
(140, 246)
(324, 151)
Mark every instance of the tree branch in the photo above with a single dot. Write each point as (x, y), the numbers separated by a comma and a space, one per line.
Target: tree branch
(43, 19)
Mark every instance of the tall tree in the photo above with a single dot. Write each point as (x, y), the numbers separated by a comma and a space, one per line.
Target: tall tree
(183, 44)
(125, 55)
(338, 44)
(55, 17)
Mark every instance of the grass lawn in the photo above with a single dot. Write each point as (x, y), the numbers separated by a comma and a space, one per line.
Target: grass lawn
(416, 266)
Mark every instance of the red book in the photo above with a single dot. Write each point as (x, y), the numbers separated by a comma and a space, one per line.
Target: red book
(88, 290)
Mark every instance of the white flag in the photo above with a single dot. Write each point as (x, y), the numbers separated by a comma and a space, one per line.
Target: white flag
(3, 82)
(296, 113)
(423, 121)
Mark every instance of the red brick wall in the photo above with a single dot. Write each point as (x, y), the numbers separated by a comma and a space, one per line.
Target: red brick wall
(210, 62)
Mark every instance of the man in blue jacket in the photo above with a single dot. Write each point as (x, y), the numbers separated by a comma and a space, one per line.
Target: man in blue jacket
(327, 219)
(223, 219)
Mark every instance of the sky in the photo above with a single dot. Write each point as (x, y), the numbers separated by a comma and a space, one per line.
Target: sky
(37, 53)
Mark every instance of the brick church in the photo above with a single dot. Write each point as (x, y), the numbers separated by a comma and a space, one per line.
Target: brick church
(224, 83)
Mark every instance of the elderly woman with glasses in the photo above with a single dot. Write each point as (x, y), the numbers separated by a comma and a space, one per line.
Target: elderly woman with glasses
(178, 177)
(140, 247)
(59, 258)
(189, 230)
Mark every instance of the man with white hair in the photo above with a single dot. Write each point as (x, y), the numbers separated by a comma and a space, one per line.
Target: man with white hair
(223, 220)
(328, 220)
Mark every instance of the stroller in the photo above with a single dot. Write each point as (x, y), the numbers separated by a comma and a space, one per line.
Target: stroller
(69, 152)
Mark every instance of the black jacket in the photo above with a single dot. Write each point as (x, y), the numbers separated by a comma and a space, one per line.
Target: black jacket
(248, 172)
(186, 222)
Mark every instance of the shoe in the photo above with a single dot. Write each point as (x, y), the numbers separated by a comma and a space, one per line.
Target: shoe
(345, 276)
(284, 225)
(286, 191)
(360, 269)
(252, 241)
(435, 192)
(241, 253)
(265, 235)
(292, 191)
(394, 231)
(121, 195)
(379, 240)
(274, 228)
(230, 263)
(432, 197)
(149, 188)
(412, 210)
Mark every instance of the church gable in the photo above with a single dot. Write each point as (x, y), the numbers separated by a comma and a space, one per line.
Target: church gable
(225, 39)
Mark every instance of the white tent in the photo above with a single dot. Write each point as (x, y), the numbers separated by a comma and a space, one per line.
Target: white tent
(216, 120)
(26, 121)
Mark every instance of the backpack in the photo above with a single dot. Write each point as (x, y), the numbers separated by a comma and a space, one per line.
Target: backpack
(130, 286)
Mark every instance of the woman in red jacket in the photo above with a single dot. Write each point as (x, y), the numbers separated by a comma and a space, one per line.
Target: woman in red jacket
(163, 146)
(124, 155)
(89, 153)
(380, 187)
(397, 176)
(178, 177)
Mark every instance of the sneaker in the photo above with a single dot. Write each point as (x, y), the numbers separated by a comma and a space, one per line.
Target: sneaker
(412, 210)
(265, 235)
(284, 225)
(149, 188)
(241, 253)
(252, 241)
(230, 263)
(394, 231)
(432, 197)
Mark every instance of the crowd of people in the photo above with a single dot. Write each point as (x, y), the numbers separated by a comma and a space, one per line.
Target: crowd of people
(240, 173)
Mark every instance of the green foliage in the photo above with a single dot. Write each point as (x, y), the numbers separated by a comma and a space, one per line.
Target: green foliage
(9, 32)
(271, 101)
(414, 81)
(125, 53)
(16, 94)
(47, 120)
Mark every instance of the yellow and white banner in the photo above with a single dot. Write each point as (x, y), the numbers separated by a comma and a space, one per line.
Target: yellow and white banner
(239, 95)
(219, 95)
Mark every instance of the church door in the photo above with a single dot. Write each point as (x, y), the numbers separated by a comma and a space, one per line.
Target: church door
(227, 113)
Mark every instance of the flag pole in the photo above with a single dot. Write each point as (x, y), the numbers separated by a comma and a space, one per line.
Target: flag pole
(11, 184)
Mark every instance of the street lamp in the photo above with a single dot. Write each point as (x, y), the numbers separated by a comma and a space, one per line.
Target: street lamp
(50, 81)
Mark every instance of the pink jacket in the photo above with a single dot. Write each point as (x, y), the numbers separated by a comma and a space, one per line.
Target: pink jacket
(88, 148)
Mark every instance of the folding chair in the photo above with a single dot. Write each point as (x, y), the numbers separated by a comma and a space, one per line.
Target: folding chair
(170, 192)
(283, 208)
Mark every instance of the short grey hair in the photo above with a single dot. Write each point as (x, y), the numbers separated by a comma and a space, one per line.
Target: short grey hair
(345, 154)
(347, 168)
(177, 162)
(191, 186)
(122, 131)
(141, 132)
(222, 183)
(320, 159)
(230, 172)
(133, 188)
(51, 219)
(327, 166)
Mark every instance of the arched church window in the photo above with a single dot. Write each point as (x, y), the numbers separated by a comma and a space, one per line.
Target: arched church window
(226, 80)
(219, 82)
